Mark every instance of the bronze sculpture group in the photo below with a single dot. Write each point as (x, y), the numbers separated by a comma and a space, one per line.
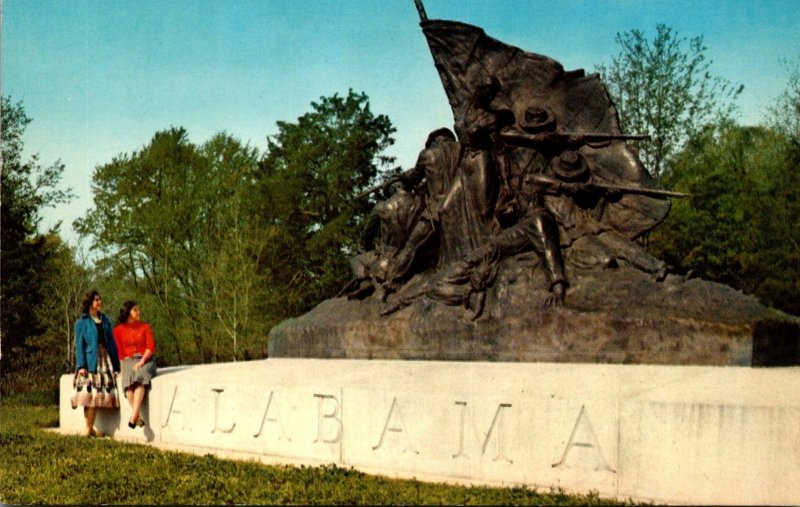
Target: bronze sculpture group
(537, 164)
(534, 200)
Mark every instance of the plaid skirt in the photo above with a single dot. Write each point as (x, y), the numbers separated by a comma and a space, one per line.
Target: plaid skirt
(97, 389)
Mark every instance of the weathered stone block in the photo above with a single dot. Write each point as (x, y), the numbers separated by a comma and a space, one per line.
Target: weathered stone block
(611, 316)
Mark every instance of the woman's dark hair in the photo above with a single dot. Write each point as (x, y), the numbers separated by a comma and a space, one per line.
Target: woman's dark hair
(88, 299)
(125, 311)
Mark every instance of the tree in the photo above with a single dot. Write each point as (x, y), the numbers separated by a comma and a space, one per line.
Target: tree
(65, 278)
(174, 221)
(141, 221)
(27, 188)
(230, 283)
(742, 225)
(219, 242)
(784, 114)
(311, 175)
(664, 88)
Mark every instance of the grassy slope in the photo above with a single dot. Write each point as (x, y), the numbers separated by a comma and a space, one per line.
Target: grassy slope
(38, 467)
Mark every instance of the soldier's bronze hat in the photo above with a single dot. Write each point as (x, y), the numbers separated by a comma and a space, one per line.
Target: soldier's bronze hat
(442, 132)
(537, 119)
(571, 166)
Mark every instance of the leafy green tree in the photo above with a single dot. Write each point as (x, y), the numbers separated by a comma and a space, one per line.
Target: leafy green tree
(784, 114)
(27, 188)
(230, 284)
(173, 223)
(311, 175)
(742, 225)
(65, 278)
(140, 222)
(218, 242)
(664, 88)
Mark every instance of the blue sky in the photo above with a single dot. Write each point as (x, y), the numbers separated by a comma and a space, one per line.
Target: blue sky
(100, 77)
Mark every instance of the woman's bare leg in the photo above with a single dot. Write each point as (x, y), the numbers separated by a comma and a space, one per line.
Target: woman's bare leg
(90, 413)
(129, 395)
(138, 398)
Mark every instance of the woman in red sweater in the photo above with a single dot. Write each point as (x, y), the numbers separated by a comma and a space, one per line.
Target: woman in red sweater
(136, 347)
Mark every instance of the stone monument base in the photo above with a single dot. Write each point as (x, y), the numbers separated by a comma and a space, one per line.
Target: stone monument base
(669, 434)
(619, 316)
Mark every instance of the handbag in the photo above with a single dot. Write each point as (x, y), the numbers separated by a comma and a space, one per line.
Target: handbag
(81, 390)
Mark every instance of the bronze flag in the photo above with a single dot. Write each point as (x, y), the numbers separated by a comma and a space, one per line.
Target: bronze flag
(464, 56)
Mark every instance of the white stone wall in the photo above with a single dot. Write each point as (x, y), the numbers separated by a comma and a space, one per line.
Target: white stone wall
(677, 434)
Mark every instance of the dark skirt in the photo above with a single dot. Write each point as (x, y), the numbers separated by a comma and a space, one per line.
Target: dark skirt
(98, 389)
(140, 376)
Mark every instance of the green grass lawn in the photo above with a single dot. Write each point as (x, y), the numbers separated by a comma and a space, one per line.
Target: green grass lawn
(39, 467)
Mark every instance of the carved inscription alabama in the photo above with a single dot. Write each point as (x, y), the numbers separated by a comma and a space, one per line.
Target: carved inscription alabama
(412, 428)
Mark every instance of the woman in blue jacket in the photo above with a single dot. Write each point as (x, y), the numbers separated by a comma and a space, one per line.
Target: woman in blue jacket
(96, 362)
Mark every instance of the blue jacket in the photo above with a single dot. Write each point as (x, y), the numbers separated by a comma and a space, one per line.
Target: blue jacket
(86, 343)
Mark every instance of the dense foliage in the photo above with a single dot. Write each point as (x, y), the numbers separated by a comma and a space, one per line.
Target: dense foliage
(313, 170)
(26, 254)
(173, 228)
(217, 242)
(784, 114)
(742, 225)
(664, 88)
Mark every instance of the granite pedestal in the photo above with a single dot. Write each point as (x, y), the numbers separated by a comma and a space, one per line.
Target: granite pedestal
(672, 434)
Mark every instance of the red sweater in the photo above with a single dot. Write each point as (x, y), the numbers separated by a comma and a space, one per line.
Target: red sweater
(133, 338)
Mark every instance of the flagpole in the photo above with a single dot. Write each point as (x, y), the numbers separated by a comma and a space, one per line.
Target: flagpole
(423, 16)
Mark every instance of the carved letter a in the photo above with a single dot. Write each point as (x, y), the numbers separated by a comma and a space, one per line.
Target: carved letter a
(397, 427)
(272, 416)
(588, 439)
